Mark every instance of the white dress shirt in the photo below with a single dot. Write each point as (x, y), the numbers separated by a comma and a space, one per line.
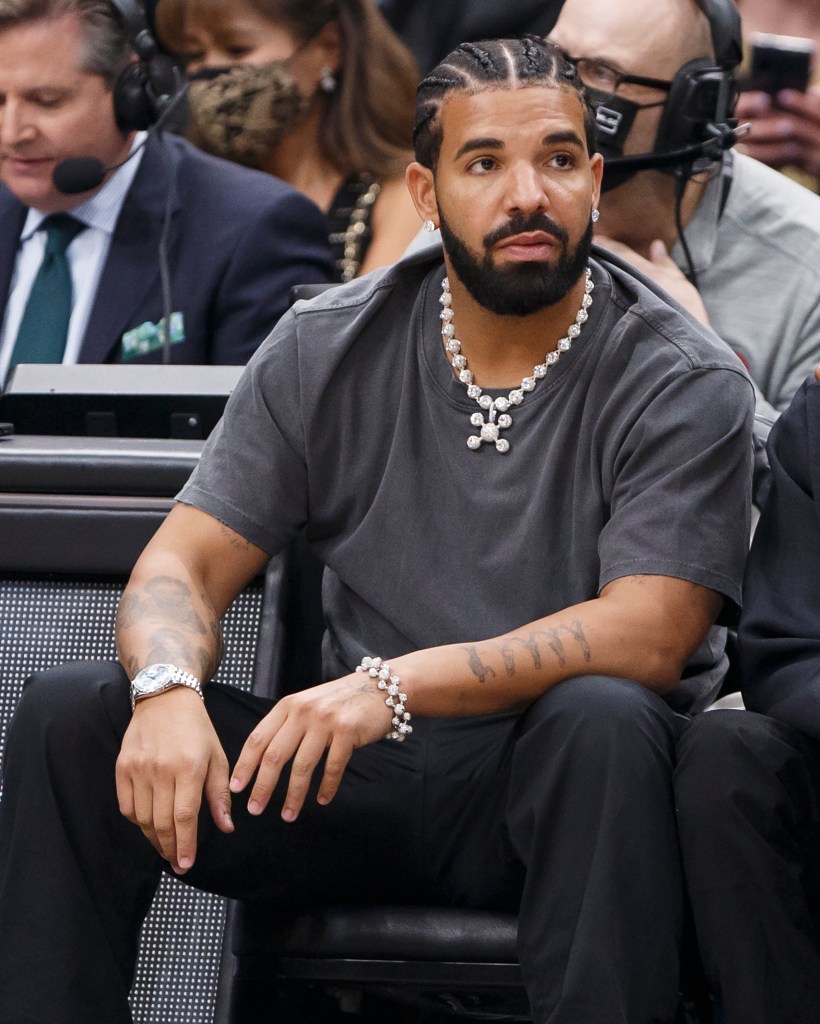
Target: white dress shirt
(86, 256)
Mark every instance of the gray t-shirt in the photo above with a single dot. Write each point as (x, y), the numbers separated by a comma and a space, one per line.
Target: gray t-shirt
(756, 261)
(632, 456)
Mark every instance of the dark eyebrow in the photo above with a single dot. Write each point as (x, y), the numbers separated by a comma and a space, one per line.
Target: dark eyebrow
(486, 143)
(556, 138)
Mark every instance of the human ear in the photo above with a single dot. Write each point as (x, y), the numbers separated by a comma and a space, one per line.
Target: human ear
(422, 188)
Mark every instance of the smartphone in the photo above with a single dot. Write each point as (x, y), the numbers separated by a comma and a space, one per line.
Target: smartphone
(779, 62)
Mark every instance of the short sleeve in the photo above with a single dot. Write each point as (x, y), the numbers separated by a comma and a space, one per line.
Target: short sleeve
(252, 474)
(681, 487)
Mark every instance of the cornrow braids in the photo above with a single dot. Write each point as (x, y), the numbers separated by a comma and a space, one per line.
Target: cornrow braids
(492, 63)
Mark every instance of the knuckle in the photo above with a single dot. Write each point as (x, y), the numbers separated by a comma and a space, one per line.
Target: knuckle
(334, 769)
(255, 740)
(301, 769)
(185, 815)
(272, 759)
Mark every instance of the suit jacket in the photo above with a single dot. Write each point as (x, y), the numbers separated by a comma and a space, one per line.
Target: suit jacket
(779, 634)
(238, 241)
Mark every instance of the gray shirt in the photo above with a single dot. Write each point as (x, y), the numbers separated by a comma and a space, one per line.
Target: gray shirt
(757, 267)
(632, 456)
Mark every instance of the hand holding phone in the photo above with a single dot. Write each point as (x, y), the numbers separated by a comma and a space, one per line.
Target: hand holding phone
(778, 63)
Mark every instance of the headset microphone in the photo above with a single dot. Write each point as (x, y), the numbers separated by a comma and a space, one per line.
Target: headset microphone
(83, 173)
(723, 137)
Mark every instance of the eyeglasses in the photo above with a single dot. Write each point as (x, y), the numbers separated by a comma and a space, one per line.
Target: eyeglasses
(595, 74)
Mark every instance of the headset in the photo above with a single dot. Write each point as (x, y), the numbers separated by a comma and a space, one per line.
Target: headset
(145, 88)
(702, 98)
(697, 119)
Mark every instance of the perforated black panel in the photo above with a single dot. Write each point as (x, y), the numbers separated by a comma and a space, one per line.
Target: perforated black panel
(48, 622)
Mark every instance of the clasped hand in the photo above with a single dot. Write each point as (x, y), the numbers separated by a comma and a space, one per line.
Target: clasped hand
(171, 756)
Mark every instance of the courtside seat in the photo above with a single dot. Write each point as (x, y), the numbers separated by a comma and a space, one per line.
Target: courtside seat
(74, 515)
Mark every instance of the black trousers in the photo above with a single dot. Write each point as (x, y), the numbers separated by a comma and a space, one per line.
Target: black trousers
(748, 797)
(566, 811)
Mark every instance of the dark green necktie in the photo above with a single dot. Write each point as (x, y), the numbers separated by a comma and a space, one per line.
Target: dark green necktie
(44, 326)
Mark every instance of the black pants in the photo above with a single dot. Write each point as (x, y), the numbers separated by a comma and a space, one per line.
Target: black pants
(748, 796)
(566, 810)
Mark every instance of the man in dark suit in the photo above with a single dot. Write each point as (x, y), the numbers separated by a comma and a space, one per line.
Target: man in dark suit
(237, 240)
(748, 782)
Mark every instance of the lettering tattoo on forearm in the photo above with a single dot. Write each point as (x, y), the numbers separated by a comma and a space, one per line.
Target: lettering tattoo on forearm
(532, 645)
(554, 640)
(507, 655)
(576, 630)
(477, 666)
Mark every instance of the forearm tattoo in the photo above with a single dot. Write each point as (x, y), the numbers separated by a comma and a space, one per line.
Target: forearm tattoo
(477, 666)
(535, 643)
(181, 634)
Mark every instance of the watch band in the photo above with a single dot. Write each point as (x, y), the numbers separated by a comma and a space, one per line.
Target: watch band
(156, 679)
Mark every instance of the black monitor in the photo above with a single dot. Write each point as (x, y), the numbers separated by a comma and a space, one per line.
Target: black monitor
(117, 401)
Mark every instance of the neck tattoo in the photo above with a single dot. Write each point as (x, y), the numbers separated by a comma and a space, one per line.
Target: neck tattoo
(491, 427)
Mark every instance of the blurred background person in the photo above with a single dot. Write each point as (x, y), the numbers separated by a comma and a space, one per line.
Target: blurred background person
(785, 127)
(80, 262)
(431, 29)
(319, 93)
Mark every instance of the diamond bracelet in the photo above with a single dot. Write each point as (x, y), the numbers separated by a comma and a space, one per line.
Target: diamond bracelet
(378, 669)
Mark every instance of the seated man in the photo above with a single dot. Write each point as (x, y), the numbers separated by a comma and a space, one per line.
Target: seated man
(80, 276)
(747, 238)
(528, 478)
(748, 786)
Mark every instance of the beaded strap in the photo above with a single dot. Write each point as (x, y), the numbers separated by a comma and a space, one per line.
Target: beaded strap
(378, 669)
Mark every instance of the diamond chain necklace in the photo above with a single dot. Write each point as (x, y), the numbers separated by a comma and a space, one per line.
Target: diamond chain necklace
(491, 427)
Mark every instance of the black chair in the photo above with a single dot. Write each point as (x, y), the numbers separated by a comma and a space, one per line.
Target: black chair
(74, 515)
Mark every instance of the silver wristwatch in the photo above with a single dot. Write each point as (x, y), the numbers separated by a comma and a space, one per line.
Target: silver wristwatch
(158, 678)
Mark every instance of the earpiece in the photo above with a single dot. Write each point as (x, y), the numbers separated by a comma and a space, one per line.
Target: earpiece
(143, 89)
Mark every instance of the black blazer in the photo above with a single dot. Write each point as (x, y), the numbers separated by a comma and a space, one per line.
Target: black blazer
(779, 635)
(239, 240)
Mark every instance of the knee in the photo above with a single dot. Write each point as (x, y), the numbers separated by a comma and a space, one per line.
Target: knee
(603, 713)
(70, 697)
(729, 760)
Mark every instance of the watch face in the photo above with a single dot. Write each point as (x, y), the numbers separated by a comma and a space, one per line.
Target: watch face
(152, 678)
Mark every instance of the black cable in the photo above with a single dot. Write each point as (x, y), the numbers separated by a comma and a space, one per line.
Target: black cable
(681, 177)
(164, 268)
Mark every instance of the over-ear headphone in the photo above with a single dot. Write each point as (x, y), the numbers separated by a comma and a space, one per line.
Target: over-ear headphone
(701, 101)
(144, 88)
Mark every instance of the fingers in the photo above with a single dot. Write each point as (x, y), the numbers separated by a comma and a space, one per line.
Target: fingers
(218, 795)
(338, 757)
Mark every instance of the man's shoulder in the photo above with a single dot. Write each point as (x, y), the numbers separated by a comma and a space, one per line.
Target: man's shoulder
(768, 203)
(205, 177)
(656, 327)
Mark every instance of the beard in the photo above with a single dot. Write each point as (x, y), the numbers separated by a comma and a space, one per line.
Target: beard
(517, 289)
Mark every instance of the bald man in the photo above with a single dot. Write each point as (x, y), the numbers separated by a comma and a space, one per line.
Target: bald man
(753, 237)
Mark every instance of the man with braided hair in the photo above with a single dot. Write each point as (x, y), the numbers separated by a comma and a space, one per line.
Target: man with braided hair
(527, 476)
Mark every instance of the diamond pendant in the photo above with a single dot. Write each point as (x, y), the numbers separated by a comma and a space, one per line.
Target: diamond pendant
(490, 430)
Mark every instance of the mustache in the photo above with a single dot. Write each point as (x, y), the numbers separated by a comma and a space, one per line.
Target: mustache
(521, 223)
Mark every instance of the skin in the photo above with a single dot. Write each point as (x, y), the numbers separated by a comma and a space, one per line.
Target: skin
(237, 34)
(51, 109)
(652, 38)
(640, 627)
